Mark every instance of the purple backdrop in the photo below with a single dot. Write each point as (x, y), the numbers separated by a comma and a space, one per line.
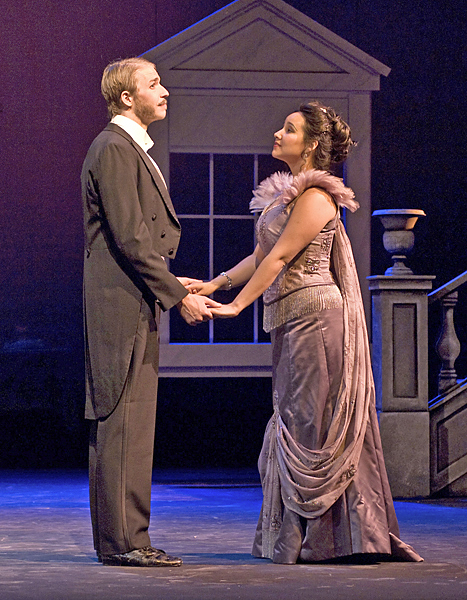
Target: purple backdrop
(52, 55)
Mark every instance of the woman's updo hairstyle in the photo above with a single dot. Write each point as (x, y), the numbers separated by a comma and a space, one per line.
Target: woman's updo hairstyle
(330, 131)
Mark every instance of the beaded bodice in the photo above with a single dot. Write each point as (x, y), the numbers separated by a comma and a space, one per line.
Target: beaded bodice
(309, 268)
(306, 283)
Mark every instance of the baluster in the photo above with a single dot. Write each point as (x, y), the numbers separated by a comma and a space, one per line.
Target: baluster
(448, 346)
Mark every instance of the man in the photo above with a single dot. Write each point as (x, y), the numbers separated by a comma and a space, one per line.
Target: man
(130, 229)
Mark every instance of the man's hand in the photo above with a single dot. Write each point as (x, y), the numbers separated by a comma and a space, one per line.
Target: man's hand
(196, 309)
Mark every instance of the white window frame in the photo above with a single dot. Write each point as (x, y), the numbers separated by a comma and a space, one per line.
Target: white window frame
(216, 359)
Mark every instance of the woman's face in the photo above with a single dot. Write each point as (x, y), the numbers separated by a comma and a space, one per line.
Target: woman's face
(289, 143)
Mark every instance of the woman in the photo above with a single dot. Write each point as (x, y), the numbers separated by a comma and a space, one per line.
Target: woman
(325, 489)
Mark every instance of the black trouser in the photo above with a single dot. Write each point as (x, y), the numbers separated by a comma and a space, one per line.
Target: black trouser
(121, 452)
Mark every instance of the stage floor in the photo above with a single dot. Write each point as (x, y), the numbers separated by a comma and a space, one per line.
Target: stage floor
(207, 518)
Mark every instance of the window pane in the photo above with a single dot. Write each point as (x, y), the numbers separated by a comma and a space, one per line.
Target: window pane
(182, 333)
(189, 183)
(239, 329)
(233, 183)
(267, 165)
(233, 240)
(192, 260)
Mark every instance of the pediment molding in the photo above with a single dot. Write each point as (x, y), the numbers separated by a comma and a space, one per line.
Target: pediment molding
(251, 48)
(263, 44)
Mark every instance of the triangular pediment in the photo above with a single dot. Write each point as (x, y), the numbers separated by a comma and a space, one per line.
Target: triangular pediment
(268, 45)
(259, 46)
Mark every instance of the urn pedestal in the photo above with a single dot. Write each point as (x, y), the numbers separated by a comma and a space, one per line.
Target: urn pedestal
(400, 358)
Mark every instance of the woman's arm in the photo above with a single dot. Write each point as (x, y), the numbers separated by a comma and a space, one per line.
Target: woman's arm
(312, 211)
(237, 275)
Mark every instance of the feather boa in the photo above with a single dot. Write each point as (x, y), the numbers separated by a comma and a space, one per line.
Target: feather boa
(285, 187)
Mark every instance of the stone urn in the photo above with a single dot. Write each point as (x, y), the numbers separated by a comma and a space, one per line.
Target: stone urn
(398, 237)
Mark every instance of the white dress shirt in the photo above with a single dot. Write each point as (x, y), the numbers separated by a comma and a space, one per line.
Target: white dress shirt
(139, 135)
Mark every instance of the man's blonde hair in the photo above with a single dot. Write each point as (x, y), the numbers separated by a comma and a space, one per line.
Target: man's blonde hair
(118, 77)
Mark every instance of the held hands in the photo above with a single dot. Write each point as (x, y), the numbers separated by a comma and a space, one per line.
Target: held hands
(197, 309)
(225, 311)
(200, 289)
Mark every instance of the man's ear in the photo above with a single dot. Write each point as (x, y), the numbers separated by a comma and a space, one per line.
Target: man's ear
(126, 99)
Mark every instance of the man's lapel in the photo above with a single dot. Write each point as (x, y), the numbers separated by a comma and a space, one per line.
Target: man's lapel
(151, 168)
(157, 180)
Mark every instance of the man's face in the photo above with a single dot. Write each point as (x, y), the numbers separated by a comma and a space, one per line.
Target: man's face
(150, 99)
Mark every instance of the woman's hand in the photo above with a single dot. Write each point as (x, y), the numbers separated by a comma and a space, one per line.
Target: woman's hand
(187, 281)
(205, 288)
(225, 311)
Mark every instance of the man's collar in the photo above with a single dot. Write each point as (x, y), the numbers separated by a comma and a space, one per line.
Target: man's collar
(138, 133)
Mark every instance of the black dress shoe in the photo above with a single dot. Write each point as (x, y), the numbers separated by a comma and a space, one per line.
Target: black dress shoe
(141, 557)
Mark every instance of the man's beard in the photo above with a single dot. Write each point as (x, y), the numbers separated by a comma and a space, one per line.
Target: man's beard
(145, 112)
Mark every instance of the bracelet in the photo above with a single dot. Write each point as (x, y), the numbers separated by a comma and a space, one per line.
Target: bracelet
(229, 281)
